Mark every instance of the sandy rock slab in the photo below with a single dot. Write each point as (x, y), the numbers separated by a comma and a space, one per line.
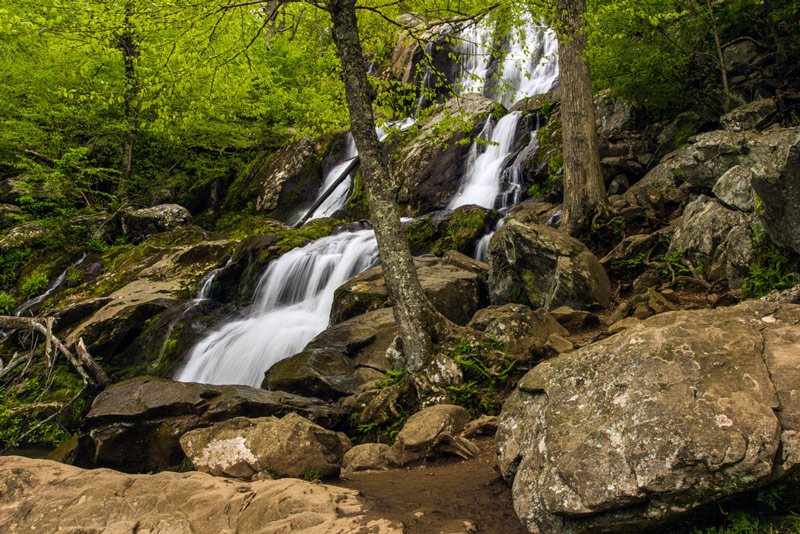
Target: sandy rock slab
(46, 496)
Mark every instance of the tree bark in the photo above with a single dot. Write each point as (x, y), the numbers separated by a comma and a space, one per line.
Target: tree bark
(418, 322)
(126, 42)
(584, 190)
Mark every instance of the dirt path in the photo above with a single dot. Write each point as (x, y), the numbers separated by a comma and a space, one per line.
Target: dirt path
(445, 496)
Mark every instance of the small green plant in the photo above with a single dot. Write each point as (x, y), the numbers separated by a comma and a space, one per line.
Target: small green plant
(632, 262)
(772, 269)
(391, 377)
(7, 303)
(74, 278)
(33, 286)
(310, 474)
(676, 261)
(97, 245)
(479, 393)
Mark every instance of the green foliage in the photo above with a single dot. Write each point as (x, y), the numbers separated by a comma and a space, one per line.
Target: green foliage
(310, 474)
(482, 384)
(773, 268)
(10, 265)
(382, 431)
(391, 377)
(632, 262)
(33, 286)
(772, 511)
(97, 245)
(7, 303)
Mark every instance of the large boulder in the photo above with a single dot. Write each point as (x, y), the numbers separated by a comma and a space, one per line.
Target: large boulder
(715, 238)
(139, 224)
(776, 181)
(288, 447)
(540, 266)
(675, 412)
(339, 360)
(455, 283)
(746, 117)
(136, 425)
(277, 183)
(45, 496)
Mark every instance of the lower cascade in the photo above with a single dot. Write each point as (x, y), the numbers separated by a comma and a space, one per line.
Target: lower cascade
(292, 305)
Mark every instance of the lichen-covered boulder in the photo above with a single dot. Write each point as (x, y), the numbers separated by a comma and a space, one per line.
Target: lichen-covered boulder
(776, 181)
(674, 412)
(540, 266)
(455, 284)
(288, 447)
(139, 224)
(746, 117)
(734, 188)
(524, 331)
(45, 496)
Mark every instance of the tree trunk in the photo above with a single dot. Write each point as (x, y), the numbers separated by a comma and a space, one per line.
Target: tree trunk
(418, 322)
(584, 190)
(126, 42)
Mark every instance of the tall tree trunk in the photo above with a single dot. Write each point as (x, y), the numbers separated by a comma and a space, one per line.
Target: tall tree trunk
(418, 322)
(584, 190)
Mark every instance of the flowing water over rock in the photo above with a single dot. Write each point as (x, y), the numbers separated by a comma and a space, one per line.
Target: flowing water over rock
(291, 306)
(481, 184)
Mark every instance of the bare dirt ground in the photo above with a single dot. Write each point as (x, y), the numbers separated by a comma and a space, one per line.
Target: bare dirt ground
(442, 496)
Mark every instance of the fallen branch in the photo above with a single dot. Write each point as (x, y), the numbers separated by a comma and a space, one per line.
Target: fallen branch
(44, 421)
(15, 362)
(91, 378)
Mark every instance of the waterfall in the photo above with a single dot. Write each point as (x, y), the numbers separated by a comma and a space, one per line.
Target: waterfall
(338, 198)
(292, 305)
(529, 66)
(481, 184)
(53, 286)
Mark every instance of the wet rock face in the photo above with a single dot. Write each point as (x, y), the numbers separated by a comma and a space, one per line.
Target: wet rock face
(540, 266)
(339, 360)
(139, 224)
(288, 447)
(680, 410)
(278, 183)
(45, 496)
(135, 425)
(429, 169)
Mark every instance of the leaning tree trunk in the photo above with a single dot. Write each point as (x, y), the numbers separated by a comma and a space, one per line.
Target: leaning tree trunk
(584, 190)
(126, 42)
(418, 322)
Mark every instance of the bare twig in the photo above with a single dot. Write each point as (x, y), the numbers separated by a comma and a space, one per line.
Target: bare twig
(44, 421)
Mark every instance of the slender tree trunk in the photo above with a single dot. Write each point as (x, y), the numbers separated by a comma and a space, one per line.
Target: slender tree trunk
(584, 190)
(418, 322)
(126, 42)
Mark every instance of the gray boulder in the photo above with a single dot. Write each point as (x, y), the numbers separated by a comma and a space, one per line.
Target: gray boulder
(139, 224)
(716, 238)
(776, 181)
(288, 447)
(746, 117)
(538, 266)
(675, 412)
(734, 188)
(365, 457)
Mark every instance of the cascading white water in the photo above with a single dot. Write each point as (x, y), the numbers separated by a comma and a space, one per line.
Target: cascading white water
(336, 200)
(474, 54)
(292, 305)
(529, 67)
(53, 286)
(481, 184)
